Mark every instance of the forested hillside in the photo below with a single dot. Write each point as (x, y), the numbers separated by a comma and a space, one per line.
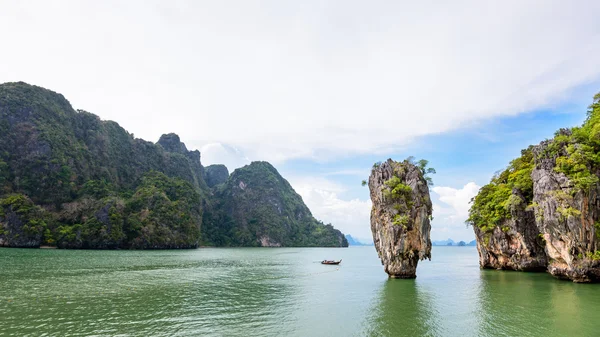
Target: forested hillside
(70, 179)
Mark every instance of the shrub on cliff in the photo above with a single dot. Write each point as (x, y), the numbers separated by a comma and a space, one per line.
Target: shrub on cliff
(22, 223)
(492, 204)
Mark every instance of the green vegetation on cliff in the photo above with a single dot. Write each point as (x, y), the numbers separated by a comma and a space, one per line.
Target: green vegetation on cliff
(24, 221)
(492, 204)
(70, 179)
(163, 212)
(267, 212)
(575, 152)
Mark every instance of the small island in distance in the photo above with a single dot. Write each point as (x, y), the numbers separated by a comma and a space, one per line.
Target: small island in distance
(355, 242)
(450, 242)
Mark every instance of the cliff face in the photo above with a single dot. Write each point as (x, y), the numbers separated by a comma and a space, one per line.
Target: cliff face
(215, 175)
(567, 217)
(400, 217)
(70, 179)
(256, 206)
(22, 223)
(87, 174)
(543, 211)
(515, 244)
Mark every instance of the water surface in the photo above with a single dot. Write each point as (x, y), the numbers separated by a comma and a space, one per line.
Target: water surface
(281, 291)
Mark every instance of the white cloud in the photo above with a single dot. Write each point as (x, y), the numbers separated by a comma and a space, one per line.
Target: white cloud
(217, 153)
(312, 79)
(458, 199)
(449, 219)
(322, 197)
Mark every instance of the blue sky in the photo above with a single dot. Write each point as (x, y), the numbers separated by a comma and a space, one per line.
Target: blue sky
(322, 89)
(468, 155)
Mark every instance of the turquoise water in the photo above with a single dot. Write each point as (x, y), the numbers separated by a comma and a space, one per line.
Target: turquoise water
(281, 291)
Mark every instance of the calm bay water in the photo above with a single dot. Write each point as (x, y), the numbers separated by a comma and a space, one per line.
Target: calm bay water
(281, 291)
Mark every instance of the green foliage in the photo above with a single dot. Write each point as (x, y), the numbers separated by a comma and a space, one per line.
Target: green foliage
(397, 190)
(21, 221)
(576, 165)
(494, 201)
(577, 151)
(4, 174)
(105, 189)
(422, 164)
(401, 220)
(163, 212)
(363, 183)
(567, 212)
(97, 188)
(55, 152)
(594, 256)
(256, 204)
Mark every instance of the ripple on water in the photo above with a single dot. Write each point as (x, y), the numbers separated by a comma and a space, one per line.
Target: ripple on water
(280, 292)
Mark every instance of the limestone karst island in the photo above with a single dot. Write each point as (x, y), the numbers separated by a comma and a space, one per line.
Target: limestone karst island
(299, 168)
(72, 180)
(400, 216)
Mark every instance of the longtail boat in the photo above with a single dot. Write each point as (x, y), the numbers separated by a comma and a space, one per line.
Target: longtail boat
(331, 262)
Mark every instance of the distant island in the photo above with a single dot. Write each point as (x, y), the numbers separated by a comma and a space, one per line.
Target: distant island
(354, 242)
(450, 242)
(71, 180)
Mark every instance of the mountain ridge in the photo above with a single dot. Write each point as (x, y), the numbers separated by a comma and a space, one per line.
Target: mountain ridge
(72, 180)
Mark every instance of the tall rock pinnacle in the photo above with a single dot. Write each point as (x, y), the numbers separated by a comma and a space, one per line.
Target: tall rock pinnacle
(400, 217)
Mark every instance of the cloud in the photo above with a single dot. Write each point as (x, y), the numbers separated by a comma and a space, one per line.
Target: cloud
(450, 215)
(302, 79)
(217, 153)
(322, 197)
(458, 199)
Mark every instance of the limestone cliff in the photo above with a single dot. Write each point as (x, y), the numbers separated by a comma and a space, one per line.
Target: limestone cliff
(256, 206)
(543, 211)
(515, 244)
(567, 217)
(71, 180)
(215, 175)
(400, 216)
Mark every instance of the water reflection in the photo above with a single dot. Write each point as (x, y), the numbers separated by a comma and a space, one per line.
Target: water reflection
(402, 309)
(452, 296)
(535, 304)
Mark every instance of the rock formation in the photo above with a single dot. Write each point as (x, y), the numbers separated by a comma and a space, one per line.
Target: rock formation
(215, 175)
(71, 180)
(515, 244)
(568, 220)
(543, 211)
(256, 206)
(400, 217)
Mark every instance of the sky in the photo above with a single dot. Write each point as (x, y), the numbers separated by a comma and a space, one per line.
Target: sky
(322, 89)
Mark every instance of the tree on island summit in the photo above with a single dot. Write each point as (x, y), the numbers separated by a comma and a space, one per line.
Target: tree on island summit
(421, 164)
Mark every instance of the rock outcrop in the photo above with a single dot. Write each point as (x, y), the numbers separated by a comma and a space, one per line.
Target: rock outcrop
(22, 223)
(543, 211)
(515, 244)
(256, 206)
(71, 180)
(400, 217)
(215, 175)
(567, 218)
